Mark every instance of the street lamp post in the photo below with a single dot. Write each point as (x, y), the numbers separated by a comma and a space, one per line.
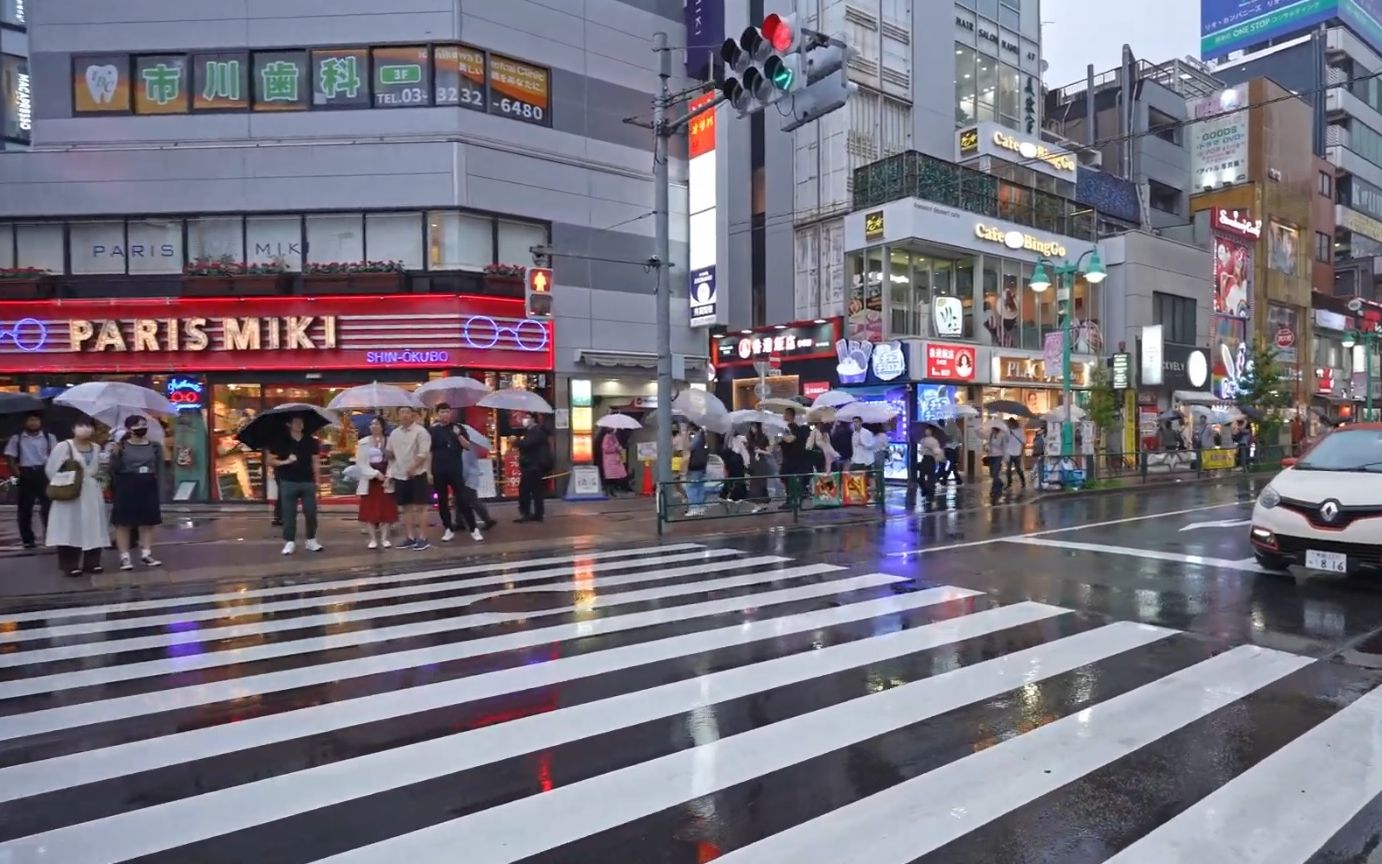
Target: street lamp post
(1369, 340)
(1065, 273)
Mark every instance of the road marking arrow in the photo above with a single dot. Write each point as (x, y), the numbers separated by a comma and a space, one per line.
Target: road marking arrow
(1222, 523)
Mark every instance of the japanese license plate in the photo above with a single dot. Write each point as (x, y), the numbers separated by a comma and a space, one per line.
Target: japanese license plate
(1329, 562)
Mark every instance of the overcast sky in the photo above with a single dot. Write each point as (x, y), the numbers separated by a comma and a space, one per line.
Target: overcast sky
(1078, 32)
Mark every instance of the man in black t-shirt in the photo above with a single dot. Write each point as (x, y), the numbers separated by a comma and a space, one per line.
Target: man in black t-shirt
(297, 466)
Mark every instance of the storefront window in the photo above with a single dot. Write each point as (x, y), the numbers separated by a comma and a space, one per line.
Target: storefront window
(40, 246)
(394, 237)
(1015, 203)
(239, 473)
(98, 247)
(516, 239)
(457, 241)
(335, 238)
(964, 289)
(942, 285)
(6, 246)
(155, 246)
(865, 318)
(216, 237)
(902, 302)
(274, 240)
(966, 111)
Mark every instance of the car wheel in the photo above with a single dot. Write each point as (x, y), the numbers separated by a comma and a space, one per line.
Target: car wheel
(1268, 561)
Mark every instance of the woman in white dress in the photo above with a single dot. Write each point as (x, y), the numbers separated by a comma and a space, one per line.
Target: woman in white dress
(78, 527)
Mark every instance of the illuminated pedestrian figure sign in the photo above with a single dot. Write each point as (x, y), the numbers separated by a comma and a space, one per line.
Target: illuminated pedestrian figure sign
(162, 83)
(339, 76)
(222, 80)
(279, 81)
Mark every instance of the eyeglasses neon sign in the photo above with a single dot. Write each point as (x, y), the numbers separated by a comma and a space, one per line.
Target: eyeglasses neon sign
(26, 334)
(185, 393)
(483, 333)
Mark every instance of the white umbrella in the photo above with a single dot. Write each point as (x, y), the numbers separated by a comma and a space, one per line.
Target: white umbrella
(766, 418)
(513, 399)
(698, 406)
(869, 412)
(822, 414)
(618, 421)
(995, 423)
(1058, 414)
(156, 434)
(779, 404)
(111, 401)
(962, 411)
(833, 399)
(457, 391)
(368, 397)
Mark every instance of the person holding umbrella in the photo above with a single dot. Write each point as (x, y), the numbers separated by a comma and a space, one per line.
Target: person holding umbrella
(136, 464)
(27, 453)
(77, 525)
(931, 457)
(296, 460)
(378, 510)
(448, 475)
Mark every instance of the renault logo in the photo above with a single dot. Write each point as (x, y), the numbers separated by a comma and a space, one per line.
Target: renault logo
(1329, 511)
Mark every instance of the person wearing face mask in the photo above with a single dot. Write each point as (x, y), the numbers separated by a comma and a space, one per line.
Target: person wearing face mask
(135, 464)
(77, 526)
(534, 461)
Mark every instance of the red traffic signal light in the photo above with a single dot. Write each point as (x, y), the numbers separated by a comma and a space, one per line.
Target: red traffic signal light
(779, 32)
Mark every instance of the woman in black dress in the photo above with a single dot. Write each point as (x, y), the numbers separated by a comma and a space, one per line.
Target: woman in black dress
(136, 464)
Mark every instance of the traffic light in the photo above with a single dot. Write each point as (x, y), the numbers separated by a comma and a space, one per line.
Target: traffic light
(826, 86)
(538, 292)
(765, 62)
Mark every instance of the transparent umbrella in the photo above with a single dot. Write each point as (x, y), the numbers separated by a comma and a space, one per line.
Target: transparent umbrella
(111, 401)
(368, 397)
(458, 391)
(513, 399)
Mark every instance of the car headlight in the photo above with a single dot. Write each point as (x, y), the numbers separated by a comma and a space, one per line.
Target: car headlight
(1268, 499)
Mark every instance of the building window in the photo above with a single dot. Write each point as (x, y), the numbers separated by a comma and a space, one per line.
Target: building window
(335, 238)
(274, 240)
(155, 246)
(966, 110)
(1176, 315)
(6, 246)
(40, 246)
(1326, 184)
(1164, 126)
(1324, 247)
(394, 237)
(98, 247)
(216, 238)
(516, 240)
(12, 13)
(1162, 197)
(987, 86)
(457, 241)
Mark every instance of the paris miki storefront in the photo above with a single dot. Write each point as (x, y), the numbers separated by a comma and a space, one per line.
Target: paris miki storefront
(222, 361)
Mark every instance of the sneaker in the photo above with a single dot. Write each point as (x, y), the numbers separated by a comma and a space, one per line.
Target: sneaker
(125, 563)
(387, 544)
(448, 535)
(410, 543)
(476, 535)
(313, 545)
(421, 545)
(373, 544)
(289, 548)
(148, 560)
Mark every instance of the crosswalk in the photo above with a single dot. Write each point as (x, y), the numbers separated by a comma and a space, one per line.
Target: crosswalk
(675, 703)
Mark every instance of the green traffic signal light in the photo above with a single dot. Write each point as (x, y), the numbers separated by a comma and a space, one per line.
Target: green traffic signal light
(779, 73)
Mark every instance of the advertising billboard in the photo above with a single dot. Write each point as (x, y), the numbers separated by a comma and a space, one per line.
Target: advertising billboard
(16, 99)
(1218, 139)
(1231, 25)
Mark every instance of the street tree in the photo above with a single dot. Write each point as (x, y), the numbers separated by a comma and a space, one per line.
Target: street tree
(1263, 391)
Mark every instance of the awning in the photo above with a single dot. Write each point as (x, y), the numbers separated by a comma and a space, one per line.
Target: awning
(1196, 397)
(631, 360)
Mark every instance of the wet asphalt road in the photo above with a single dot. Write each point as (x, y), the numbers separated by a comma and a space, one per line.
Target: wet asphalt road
(1108, 678)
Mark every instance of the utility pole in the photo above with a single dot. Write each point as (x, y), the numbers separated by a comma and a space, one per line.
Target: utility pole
(662, 131)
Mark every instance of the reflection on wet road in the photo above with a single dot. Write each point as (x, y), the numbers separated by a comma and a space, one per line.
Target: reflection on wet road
(1109, 678)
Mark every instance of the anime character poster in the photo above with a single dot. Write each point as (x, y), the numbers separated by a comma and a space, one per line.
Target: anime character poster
(1232, 277)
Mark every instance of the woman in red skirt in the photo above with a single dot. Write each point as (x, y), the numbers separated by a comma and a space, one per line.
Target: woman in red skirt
(378, 509)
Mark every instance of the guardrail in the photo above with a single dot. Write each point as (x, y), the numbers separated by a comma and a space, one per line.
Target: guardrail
(1153, 465)
(686, 500)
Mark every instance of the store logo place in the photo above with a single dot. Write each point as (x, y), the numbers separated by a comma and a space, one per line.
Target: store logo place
(949, 316)
(854, 357)
(101, 82)
(1197, 368)
(889, 361)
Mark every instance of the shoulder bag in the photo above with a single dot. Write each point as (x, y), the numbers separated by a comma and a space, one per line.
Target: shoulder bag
(66, 482)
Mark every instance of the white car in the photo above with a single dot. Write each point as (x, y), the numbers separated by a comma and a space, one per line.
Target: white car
(1324, 511)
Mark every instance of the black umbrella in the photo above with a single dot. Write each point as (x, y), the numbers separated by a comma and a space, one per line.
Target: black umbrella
(1007, 406)
(19, 403)
(938, 433)
(1326, 419)
(1253, 413)
(269, 428)
(57, 419)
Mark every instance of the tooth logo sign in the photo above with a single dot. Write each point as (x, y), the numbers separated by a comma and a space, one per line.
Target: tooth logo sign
(101, 82)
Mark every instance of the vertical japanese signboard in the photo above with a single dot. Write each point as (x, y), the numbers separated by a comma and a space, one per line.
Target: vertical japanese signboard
(702, 292)
(280, 81)
(160, 84)
(340, 78)
(460, 76)
(16, 109)
(100, 84)
(402, 77)
(520, 91)
(221, 82)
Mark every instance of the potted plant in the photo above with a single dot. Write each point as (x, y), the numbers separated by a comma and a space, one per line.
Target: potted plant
(262, 278)
(354, 277)
(209, 277)
(25, 283)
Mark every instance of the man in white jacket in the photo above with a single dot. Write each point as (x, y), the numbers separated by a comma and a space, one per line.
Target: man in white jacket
(865, 447)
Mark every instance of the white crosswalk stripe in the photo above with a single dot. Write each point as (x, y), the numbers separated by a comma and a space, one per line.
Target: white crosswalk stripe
(590, 701)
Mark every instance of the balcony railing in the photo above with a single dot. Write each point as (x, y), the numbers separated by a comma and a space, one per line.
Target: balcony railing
(916, 175)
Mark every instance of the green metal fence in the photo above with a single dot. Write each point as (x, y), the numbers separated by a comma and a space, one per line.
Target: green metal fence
(729, 498)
